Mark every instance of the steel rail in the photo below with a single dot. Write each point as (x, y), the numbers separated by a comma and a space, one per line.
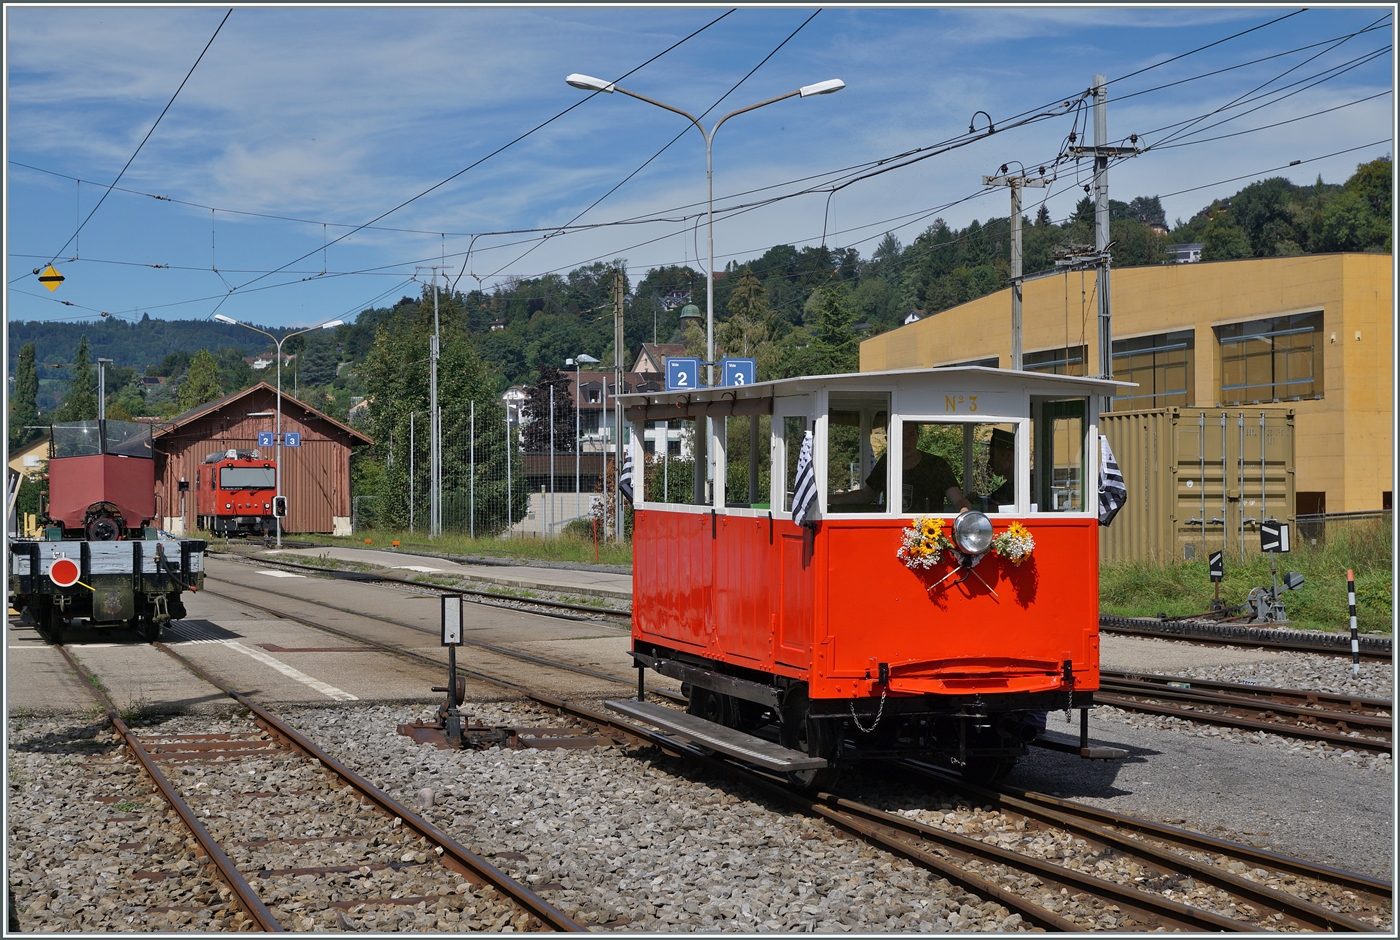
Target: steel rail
(1029, 910)
(508, 886)
(1260, 858)
(419, 657)
(903, 837)
(1359, 721)
(678, 749)
(373, 576)
(1249, 724)
(1372, 649)
(247, 897)
(1333, 700)
(1067, 816)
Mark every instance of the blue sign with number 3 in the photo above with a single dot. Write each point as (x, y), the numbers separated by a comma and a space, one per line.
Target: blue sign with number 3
(682, 374)
(291, 439)
(738, 371)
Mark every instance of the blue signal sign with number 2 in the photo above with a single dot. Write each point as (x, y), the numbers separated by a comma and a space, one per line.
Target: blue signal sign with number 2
(264, 438)
(682, 373)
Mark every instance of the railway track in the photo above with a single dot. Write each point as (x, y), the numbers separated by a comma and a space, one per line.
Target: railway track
(1208, 895)
(1371, 648)
(296, 834)
(1348, 722)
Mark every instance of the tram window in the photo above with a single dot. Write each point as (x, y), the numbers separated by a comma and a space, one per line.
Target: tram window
(857, 437)
(1058, 466)
(794, 429)
(670, 470)
(746, 456)
(951, 466)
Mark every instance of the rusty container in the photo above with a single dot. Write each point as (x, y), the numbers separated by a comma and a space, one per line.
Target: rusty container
(1199, 480)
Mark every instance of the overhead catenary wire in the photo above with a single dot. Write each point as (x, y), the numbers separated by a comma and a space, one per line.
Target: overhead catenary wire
(60, 251)
(815, 189)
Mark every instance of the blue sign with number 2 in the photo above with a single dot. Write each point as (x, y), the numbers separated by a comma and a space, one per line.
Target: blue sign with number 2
(682, 374)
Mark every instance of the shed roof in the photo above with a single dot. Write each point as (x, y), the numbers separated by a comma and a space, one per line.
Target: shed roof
(200, 411)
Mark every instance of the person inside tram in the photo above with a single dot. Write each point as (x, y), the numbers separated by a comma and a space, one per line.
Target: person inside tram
(1002, 462)
(928, 482)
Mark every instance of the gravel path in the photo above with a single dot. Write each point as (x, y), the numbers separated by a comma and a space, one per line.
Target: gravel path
(617, 841)
(92, 846)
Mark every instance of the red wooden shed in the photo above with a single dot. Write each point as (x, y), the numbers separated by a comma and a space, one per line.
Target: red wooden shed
(315, 476)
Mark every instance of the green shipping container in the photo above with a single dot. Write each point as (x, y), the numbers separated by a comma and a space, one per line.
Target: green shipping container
(1199, 480)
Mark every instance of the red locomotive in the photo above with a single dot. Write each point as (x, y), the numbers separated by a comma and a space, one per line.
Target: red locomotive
(939, 597)
(234, 493)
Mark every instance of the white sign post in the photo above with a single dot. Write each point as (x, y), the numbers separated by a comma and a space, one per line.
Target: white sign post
(452, 638)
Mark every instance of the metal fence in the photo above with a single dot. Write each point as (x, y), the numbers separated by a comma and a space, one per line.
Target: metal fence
(490, 485)
(1315, 528)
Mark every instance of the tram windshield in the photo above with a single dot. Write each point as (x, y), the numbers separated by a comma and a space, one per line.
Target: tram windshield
(1059, 462)
(951, 466)
(247, 478)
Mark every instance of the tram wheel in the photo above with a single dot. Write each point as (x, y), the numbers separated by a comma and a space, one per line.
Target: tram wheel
(988, 769)
(799, 731)
(707, 705)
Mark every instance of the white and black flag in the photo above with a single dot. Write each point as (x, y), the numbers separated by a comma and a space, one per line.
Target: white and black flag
(624, 481)
(1113, 494)
(804, 487)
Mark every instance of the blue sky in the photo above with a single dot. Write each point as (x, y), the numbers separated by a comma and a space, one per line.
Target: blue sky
(329, 117)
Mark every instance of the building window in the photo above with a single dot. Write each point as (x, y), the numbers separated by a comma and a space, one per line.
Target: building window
(1275, 359)
(991, 362)
(1163, 366)
(1066, 360)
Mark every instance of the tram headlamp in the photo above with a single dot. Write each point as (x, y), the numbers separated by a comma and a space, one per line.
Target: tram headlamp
(972, 532)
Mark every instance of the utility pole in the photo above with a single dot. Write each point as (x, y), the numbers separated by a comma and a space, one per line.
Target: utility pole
(1101, 152)
(619, 292)
(1015, 183)
(434, 423)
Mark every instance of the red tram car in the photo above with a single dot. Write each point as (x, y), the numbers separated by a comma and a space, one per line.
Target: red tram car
(234, 493)
(940, 598)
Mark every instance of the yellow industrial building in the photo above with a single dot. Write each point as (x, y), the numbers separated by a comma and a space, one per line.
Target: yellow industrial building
(1311, 333)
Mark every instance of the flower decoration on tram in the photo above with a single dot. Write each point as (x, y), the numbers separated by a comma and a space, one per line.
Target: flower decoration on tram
(922, 544)
(1015, 544)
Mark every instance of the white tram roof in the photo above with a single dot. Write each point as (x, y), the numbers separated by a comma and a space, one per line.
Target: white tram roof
(950, 377)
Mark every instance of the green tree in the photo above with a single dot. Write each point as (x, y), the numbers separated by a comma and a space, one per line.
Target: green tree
(316, 363)
(833, 347)
(81, 403)
(24, 407)
(202, 383)
(1223, 240)
(396, 377)
(749, 325)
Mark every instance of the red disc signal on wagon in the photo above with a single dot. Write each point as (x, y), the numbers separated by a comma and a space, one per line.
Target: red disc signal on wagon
(64, 572)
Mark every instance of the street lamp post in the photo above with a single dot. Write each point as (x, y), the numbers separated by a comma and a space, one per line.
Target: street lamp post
(589, 83)
(277, 438)
(577, 362)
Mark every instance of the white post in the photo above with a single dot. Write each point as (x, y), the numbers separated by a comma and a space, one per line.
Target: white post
(410, 471)
(471, 486)
(550, 514)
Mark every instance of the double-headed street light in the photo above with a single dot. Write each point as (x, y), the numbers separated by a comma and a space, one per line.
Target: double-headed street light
(277, 439)
(589, 83)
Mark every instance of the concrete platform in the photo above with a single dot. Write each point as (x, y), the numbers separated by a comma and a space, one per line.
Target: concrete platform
(568, 580)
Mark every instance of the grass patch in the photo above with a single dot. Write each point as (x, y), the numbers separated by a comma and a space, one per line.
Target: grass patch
(565, 548)
(1145, 589)
(127, 806)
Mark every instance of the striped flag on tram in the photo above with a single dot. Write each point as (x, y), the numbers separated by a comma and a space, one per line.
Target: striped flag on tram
(804, 487)
(624, 481)
(1113, 494)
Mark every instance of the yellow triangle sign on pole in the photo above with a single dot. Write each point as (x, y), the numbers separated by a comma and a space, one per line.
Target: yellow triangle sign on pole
(51, 278)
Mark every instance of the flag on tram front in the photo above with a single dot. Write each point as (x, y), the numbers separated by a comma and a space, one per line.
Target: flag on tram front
(1113, 494)
(804, 487)
(624, 481)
